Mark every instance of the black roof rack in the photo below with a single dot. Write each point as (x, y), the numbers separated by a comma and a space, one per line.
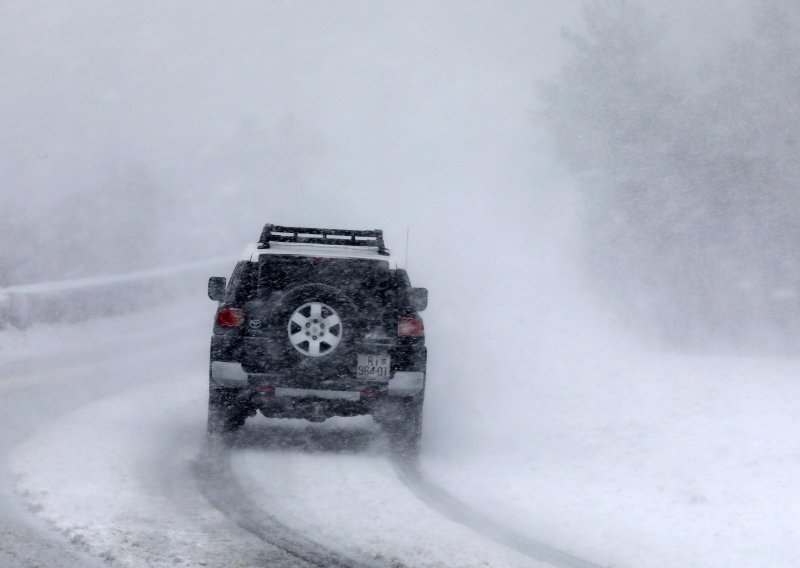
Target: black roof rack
(310, 235)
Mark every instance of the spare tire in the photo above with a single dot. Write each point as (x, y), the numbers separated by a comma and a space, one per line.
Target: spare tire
(316, 322)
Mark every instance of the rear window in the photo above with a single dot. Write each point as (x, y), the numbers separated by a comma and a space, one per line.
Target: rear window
(368, 283)
(240, 286)
(351, 275)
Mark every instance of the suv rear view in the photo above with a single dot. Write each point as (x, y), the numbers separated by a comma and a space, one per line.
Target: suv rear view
(317, 323)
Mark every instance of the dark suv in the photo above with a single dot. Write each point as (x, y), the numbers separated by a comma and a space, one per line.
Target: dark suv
(317, 323)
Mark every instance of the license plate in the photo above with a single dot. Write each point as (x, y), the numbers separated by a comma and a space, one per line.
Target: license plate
(375, 367)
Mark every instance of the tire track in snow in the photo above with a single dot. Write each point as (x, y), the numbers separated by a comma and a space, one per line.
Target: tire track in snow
(38, 375)
(220, 486)
(447, 505)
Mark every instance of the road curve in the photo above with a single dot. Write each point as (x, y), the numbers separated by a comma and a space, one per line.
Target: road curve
(104, 386)
(441, 501)
(220, 486)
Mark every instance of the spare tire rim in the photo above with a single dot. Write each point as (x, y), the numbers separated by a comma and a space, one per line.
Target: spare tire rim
(315, 329)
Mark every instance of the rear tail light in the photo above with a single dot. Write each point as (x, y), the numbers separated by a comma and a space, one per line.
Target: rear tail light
(410, 327)
(230, 317)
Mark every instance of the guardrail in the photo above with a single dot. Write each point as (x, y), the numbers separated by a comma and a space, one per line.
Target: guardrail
(85, 298)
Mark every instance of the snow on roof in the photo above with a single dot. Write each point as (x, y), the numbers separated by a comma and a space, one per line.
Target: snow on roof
(252, 252)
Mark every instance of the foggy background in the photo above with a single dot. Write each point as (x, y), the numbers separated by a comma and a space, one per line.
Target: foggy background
(646, 156)
(689, 171)
(586, 186)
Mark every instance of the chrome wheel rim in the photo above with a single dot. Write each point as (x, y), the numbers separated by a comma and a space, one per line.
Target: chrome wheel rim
(315, 329)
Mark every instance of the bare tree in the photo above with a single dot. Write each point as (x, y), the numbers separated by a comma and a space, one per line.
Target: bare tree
(691, 185)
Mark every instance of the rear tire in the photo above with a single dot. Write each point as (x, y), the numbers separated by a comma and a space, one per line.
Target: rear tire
(226, 413)
(403, 425)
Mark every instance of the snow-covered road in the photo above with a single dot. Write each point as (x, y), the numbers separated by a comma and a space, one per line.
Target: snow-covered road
(103, 438)
(47, 374)
(624, 457)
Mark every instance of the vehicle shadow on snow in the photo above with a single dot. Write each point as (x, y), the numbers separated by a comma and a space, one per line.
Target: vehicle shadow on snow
(331, 436)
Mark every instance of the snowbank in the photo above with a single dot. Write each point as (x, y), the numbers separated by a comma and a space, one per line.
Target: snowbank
(84, 298)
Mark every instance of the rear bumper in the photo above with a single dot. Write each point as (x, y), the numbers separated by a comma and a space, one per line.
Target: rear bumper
(263, 356)
(228, 374)
(231, 374)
